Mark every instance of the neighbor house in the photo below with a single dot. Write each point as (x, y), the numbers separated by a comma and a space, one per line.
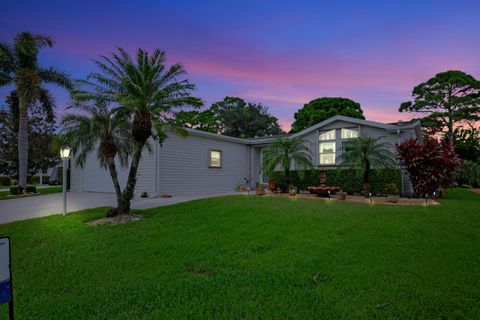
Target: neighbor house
(204, 162)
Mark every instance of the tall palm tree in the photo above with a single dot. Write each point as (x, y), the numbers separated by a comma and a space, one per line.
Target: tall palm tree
(287, 155)
(97, 127)
(19, 66)
(364, 153)
(148, 92)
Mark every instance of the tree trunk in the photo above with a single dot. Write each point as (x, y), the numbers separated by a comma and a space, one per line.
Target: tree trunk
(116, 184)
(127, 194)
(450, 130)
(22, 143)
(366, 180)
(287, 178)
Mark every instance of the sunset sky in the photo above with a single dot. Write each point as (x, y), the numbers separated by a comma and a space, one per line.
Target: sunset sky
(279, 53)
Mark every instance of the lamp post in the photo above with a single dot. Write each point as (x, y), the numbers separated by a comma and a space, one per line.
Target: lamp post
(64, 154)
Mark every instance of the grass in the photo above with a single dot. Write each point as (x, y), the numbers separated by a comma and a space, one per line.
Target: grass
(49, 190)
(253, 257)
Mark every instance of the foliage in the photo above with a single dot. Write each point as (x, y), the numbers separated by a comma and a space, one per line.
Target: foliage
(31, 189)
(342, 178)
(14, 191)
(287, 154)
(33, 179)
(469, 174)
(320, 109)
(19, 66)
(449, 98)
(41, 133)
(363, 153)
(240, 119)
(5, 181)
(430, 164)
(392, 189)
(467, 142)
(200, 120)
(145, 90)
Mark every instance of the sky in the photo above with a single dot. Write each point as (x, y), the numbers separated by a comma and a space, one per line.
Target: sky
(278, 53)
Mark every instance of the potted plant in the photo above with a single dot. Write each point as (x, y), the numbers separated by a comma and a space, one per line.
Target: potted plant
(342, 195)
(273, 186)
(393, 193)
(292, 190)
(260, 190)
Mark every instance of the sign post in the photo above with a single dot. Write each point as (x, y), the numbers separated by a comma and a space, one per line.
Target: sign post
(6, 290)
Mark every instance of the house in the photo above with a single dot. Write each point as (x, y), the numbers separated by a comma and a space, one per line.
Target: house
(204, 162)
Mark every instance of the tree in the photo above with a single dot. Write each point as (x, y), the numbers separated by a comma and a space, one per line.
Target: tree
(41, 133)
(363, 153)
(287, 154)
(320, 109)
(430, 164)
(204, 120)
(19, 66)
(240, 119)
(149, 93)
(467, 143)
(449, 98)
(98, 127)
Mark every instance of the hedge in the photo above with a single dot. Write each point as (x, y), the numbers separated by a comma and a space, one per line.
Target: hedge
(5, 181)
(347, 179)
(33, 179)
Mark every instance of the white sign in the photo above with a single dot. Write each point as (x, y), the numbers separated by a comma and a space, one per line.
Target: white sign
(5, 281)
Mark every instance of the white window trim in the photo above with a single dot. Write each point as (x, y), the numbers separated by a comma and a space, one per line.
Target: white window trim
(210, 158)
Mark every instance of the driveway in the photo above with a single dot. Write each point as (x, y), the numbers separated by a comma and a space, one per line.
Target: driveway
(46, 205)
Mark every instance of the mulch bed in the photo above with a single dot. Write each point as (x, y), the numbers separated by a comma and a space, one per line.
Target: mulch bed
(359, 199)
(475, 190)
(122, 218)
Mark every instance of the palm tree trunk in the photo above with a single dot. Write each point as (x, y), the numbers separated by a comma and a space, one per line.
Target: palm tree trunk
(116, 184)
(22, 143)
(127, 194)
(366, 180)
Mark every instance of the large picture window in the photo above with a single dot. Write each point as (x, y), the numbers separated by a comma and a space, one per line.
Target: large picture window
(327, 135)
(349, 134)
(215, 158)
(327, 153)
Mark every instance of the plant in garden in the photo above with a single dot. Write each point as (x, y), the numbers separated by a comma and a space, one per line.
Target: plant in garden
(430, 164)
(97, 127)
(19, 66)
(365, 153)
(287, 155)
(146, 90)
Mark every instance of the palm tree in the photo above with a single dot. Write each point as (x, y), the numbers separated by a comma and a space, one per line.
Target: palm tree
(363, 153)
(148, 92)
(98, 127)
(19, 66)
(287, 155)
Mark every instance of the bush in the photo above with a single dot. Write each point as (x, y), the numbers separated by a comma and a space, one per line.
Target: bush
(14, 191)
(33, 179)
(346, 179)
(13, 182)
(469, 174)
(5, 181)
(31, 189)
(392, 189)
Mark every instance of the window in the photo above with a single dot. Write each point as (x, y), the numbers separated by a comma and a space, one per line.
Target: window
(327, 135)
(327, 152)
(349, 134)
(215, 158)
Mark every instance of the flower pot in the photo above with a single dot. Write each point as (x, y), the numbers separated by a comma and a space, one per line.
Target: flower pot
(342, 195)
(260, 191)
(273, 186)
(393, 198)
(292, 192)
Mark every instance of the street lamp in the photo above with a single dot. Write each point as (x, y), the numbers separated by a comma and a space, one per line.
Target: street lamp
(64, 154)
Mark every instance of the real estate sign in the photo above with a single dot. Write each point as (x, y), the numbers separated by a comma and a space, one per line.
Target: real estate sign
(5, 279)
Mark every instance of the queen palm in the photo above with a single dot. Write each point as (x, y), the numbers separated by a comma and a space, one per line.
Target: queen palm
(287, 155)
(19, 66)
(95, 127)
(364, 153)
(148, 92)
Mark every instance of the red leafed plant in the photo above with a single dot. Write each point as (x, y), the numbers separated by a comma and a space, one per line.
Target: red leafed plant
(430, 164)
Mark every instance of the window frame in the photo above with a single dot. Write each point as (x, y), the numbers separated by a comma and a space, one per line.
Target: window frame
(334, 153)
(220, 152)
(349, 129)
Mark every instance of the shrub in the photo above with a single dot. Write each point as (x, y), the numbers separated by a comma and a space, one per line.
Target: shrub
(46, 179)
(346, 179)
(31, 189)
(33, 179)
(13, 182)
(5, 181)
(14, 191)
(431, 165)
(469, 174)
(392, 189)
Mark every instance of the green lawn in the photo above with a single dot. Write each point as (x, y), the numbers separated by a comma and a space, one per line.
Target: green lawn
(253, 257)
(49, 190)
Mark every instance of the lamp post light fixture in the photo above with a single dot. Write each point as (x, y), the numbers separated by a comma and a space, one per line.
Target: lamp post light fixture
(64, 154)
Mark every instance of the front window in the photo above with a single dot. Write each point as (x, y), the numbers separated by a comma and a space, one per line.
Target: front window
(327, 152)
(215, 158)
(349, 134)
(327, 135)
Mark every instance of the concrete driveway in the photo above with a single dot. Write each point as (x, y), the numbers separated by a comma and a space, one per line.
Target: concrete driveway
(46, 205)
